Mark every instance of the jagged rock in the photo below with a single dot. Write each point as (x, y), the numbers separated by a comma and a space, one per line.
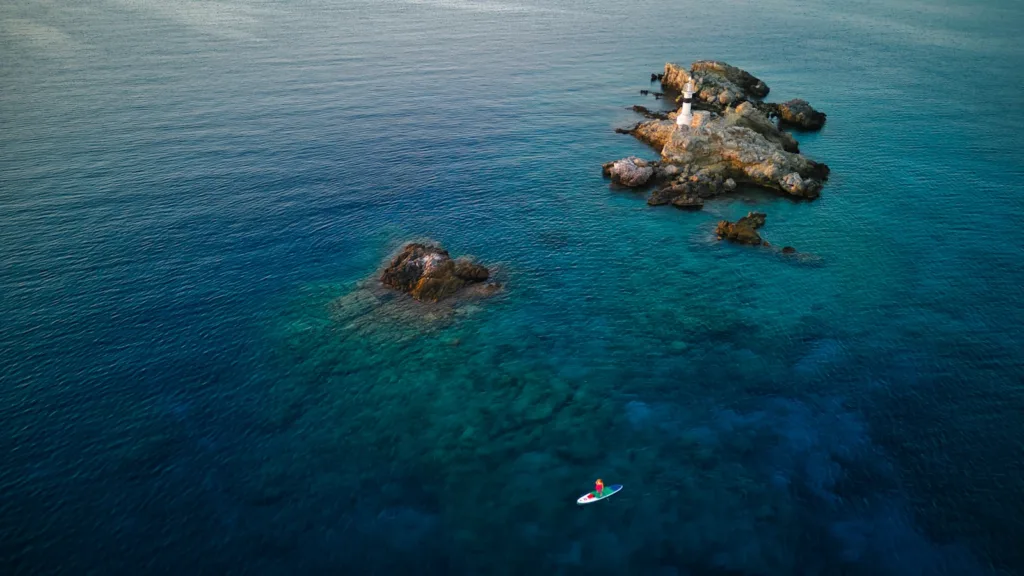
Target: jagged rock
(630, 172)
(428, 273)
(688, 202)
(734, 151)
(743, 231)
(732, 141)
(681, 194)
(718, 84)
(799, 113)
(749, 116)
(788, 250)
(753, 219)
(471, 272)
(749, 83)
(797, 186)
(667, 172)
(663, 196)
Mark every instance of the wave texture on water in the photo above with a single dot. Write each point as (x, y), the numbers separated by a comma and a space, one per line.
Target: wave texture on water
(197, 377)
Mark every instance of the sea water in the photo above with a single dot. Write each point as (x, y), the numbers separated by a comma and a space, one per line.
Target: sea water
(198, 378)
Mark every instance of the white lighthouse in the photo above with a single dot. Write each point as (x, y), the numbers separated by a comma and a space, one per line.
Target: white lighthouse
(684, 118)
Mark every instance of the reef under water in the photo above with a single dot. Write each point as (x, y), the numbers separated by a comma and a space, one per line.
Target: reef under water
(202, 374)
(485, 441)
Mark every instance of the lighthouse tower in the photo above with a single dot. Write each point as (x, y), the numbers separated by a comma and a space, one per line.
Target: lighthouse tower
(684, 117)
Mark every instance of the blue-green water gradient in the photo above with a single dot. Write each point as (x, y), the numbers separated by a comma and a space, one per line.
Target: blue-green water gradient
(196, 379)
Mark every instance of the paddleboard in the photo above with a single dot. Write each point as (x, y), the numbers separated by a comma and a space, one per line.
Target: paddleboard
(590, 497)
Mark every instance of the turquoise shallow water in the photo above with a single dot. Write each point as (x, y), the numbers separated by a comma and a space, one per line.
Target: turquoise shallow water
(195, 378)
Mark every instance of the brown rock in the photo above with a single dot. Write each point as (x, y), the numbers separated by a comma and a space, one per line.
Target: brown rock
(688, 202)
(669, 193)
(743, 231)
(435, 289)
(799, 113)
(428, 273)
(470, 272)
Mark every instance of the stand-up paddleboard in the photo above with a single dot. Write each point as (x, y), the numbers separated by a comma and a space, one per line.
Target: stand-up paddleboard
(591, 497)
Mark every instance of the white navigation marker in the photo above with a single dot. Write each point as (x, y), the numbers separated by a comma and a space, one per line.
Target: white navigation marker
(684, 118)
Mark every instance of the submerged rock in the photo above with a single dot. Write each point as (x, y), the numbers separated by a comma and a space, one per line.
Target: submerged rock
(428, 273)
(743, 231)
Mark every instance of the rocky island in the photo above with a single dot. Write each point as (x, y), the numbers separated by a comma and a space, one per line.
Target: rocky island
(428, 273)
(731, 140)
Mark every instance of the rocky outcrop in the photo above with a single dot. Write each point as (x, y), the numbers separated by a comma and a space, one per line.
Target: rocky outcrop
(743, 231)
(799, 113)
(738, 145)
(731, 141)
(428, 273)
(689, 188)
(681, 195)
(718, 84)
(631, 172)
(748, 115)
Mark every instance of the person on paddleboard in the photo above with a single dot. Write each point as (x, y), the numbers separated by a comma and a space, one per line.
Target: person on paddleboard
(598, 488)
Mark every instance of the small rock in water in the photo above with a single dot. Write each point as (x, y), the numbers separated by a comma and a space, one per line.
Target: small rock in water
(799, 113)
(743, 231)
(429, 273)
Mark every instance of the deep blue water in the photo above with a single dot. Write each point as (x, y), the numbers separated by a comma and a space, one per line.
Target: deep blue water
(195, 380)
